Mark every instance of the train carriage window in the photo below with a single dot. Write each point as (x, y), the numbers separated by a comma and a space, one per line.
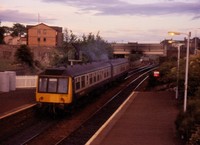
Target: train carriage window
(52, 86)
(42, 84)
(104, 73)
(83, 81)
(122, 68)
(109, 73)
(94, 75)
(91, 79)
(78, 84)
(116, 70)
(62, 85)
(87, 80)
(98, 76)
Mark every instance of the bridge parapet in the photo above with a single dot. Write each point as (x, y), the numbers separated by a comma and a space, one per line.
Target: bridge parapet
(145, 48)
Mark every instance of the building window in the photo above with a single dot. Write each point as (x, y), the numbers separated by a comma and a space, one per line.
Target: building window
(39, 31)
(44, 31)
(38, 39)
(44, 39)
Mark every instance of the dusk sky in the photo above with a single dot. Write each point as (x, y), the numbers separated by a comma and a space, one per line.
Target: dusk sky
(142, 21)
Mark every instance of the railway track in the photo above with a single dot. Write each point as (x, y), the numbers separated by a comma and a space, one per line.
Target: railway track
(66, 130)
(90, 126)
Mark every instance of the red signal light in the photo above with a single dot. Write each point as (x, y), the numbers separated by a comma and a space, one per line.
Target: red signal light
(156, 73)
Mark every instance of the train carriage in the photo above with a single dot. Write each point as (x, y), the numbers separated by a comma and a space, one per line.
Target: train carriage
(62, 86)
(120, 68)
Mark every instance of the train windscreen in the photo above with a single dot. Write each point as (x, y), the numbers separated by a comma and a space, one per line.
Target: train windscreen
(53, 85)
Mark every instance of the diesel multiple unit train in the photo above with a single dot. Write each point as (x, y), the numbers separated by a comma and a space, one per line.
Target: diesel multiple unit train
(63, 86)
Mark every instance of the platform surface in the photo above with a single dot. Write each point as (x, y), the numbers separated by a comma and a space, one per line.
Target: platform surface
(13, 100)
(147, 118)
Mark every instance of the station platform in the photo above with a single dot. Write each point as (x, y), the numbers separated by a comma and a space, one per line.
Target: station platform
(14, 100)
(146, 118)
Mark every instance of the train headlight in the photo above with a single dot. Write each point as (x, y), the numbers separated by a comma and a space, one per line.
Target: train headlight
(41, 98)
(62, 100)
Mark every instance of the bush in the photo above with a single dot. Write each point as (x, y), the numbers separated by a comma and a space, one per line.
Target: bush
(187, 122)
(24, 55)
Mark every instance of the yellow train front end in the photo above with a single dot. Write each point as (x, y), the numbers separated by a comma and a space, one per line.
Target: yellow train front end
(54, 90)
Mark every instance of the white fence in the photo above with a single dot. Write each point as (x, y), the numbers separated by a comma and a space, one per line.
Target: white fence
(26, 81)
(9, 81)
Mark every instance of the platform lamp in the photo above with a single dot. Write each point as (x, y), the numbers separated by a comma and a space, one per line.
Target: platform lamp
(187, 65)
(178, 45)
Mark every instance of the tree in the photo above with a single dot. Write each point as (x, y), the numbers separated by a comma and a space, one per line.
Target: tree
(24, 55)
(88, 48)
(18, 29)
(8, 30)
(2, 31)
(61, 55)
(95, 48)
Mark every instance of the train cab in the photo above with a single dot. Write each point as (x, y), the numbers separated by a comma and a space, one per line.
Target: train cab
(54, 88)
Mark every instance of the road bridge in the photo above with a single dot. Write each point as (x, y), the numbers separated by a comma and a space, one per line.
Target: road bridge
(140, 48)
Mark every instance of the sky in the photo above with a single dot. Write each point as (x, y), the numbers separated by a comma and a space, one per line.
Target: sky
(121, 21)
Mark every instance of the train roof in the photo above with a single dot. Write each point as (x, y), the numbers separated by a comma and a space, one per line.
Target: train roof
(82, 68)
(86, 68)
(76, 69)
(118, 61)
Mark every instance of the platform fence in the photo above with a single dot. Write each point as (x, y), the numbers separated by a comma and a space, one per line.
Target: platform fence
(26, 81)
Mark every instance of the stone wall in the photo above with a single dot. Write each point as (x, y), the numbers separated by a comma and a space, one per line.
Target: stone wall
(7, 52)
(41, 54)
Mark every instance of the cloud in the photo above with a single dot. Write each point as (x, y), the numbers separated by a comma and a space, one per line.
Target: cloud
(16, 16)
(19, 17)
(118, 7)
(196, 17)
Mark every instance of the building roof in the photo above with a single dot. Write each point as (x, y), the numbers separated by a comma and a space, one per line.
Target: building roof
(58, 29)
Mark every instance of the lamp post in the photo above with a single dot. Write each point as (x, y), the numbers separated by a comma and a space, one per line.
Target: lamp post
(186, 67)
(178, 45)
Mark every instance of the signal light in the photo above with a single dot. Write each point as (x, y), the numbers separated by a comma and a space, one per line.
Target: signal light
(156, 74)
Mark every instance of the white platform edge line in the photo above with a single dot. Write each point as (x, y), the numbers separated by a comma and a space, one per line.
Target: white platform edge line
(16, 111)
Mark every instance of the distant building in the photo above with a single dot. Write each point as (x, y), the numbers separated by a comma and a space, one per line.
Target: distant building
(172, 51)
(44, 35)
(17, 40)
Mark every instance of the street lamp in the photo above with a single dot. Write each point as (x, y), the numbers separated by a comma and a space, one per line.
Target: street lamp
(178, 45)
(187, 66)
